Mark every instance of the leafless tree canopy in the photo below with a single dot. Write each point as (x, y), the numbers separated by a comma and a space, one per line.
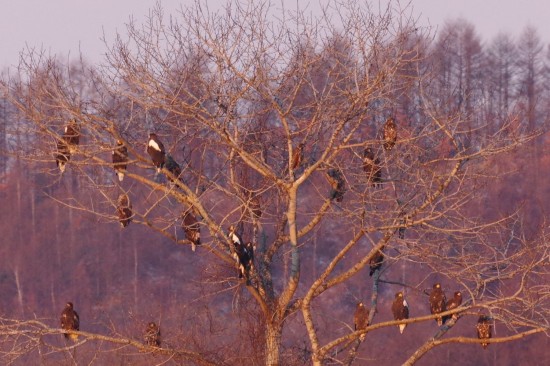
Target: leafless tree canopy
(266, 116)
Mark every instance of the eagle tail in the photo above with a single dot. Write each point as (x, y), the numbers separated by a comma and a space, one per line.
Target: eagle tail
(402, 327)
(120, 176)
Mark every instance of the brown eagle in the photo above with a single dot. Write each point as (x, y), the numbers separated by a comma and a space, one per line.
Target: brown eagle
(298, 156)
(192, 229)
(390, 134)
(375, 263)
(361, 318)
(156, 151)
(70, 321)
(152, 335)
(120, 159)
(438, 302)
(371, 166)
(67, 144)
(124, 210)
(453, 303)
(337, 183)
(400, 310)
(483, 328)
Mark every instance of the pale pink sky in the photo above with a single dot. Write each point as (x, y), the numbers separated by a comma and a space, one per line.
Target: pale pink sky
(65, 26)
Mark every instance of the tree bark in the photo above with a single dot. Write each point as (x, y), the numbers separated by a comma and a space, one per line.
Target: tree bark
(272, 343)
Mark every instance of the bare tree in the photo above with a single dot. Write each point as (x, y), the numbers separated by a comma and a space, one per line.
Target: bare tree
(255, 110)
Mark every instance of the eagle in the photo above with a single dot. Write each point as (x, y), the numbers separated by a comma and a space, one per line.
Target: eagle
(361, 318)
(337, 183)
(438, 302)
(173, 167)
(71, 135)
(120, 159)
(124, 210)
(376, 261)
(67, 144)
(390, 134)
(483, 328)
(242, 253)
(371, 166)
(62, 155)
(298, 156)
(152, 335)
(70, 321)
(453, 303)
(156, 151)
(192, 229)
(400, 310)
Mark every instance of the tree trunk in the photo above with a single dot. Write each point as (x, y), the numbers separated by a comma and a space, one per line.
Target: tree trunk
(272, 343)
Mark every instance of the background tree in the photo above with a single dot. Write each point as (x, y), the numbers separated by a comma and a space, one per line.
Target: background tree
(233, 95)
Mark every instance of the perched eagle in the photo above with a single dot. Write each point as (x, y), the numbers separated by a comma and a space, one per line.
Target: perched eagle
(67, 144)
(400, 310)
(71, 135)
(376, 261)
(483, 328)
(70, 321)
(361, 318)
(62, 155)
(390, 134)
(124, 210)
(337, 183)
(242, 253)
(173, 167)
(152, 335)
(438, 302)
(298, 156)
(156, 151)
(120, 159)
(192, 229)
(371, 166)
(453, 304)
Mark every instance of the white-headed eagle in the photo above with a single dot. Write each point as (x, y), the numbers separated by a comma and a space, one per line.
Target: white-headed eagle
(152, 335)
(156, 151)
(242, 253)
(124, 210)
(390, 134)
(67, 144)
(400, 310)
(70, 321)
(483, 328)
(120, 159)
(438, 302)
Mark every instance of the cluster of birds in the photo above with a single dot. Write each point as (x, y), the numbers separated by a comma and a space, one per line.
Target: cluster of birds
(70, 321)
(438, 304)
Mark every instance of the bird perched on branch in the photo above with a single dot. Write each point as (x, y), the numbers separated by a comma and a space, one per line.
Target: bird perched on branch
(390, 134)
(361, 318)
(156, 151)
(375, 263)
(173, 167)
(483, 328)
(243, 254)
(70, 321)
(191, 228)
(371, 166)
(124, 210)
(337, 183)
(67, 145)
(453, 303)
(152, 335)
(120, 159)
(298, 156)
(438, 302)
(400, 310)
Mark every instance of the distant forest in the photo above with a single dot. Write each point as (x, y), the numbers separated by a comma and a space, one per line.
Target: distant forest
(461, 198)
